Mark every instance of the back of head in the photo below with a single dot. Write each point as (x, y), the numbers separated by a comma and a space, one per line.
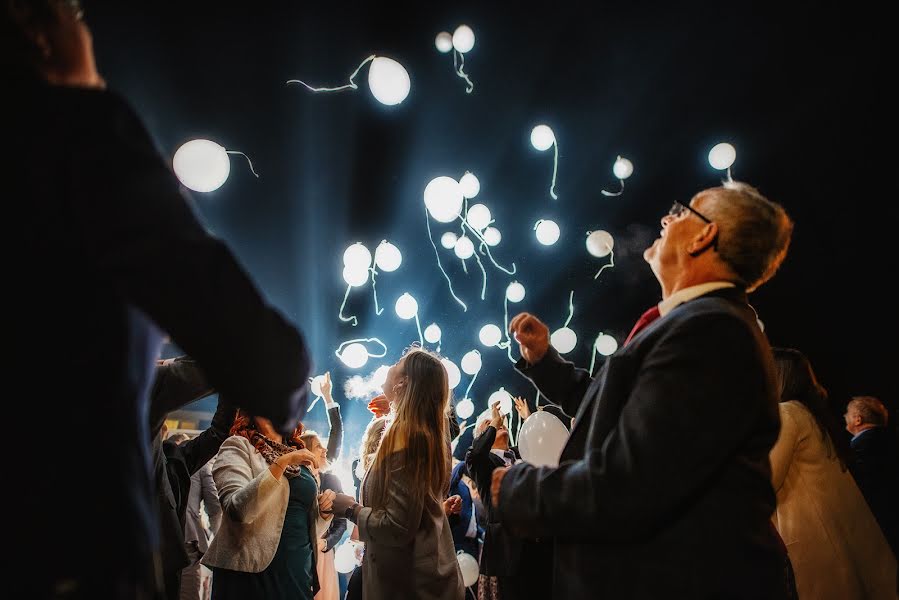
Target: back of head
(371, 439)
(797, 382)
(753, 232)
(871, 410)
(20, 20)
(419, 429)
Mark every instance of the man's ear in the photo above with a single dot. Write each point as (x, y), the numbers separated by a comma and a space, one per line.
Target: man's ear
(704, 240)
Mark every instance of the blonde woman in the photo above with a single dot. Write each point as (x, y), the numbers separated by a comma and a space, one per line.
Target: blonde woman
(401, 518)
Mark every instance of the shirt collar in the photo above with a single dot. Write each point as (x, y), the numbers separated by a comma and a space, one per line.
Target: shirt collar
(687, 294)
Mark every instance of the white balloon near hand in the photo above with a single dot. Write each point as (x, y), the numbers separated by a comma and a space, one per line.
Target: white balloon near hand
(465, 408)
(201, 165)
(463, 39)
(722, 156)
(541, 439)
(388, 257)
(515, 292)
(600, 243)
(345, 557)
(388, 80)
(443, 198)
(316, 385)
(406, 307)
(448, 240)
(471, 362)
(433, 333)
(354, 356)
(542, 137)
(564, 340)
(452, 373)
(548, 232)
(490, 335)
(504, 399)
(470, 185)
(606, 344)
(492, 236)
(444, 42)
(479, 217)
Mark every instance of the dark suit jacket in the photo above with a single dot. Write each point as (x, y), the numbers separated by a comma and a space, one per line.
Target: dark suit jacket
(107, 252)
(459, 523)
(502, 550)
(664, 487)
(876, 470)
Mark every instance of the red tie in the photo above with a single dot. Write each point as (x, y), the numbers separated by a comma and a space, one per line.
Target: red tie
(645, 319)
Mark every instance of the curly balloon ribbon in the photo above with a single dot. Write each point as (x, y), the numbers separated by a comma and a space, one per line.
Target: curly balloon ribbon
(460, 70)
(351, 318)
(608, 266)
(350, 86)
(246, 157)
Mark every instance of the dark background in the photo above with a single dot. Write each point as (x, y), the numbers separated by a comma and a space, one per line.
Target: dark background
(801, 91)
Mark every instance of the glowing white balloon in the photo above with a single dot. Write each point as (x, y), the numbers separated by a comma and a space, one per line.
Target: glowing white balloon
(201, 165)
(490, 335)
(443, 198)
(388, 80)
(452, 373)
(492, 236)
(504, 399)
(379, 376)
(564, 340)
(357, 257)
(388, 257)
(345, 557)
(433, 333)
(354, 356)
(316, 385)
(470, 185)
(722, 156)
(541, 439)
(471, 362)
(406, 307)
(542, 137)
(444, 42)
(623, 168)
(606, 344)
(547, 232)
(464, 248)
(600, 243)
(463, 39)
(515, 292)
(448, 240)
(479, 217)
(354, 276)
(465, 408)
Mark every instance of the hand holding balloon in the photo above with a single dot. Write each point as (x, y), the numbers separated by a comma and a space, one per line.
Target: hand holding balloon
(532, 336)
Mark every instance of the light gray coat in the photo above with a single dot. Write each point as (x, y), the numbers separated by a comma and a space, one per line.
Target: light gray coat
(409, 551)
(253, 507)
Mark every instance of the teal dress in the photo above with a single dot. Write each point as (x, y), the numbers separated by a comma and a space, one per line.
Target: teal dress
(291, 571)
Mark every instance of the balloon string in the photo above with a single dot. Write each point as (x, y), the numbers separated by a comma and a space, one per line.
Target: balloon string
(374, 291)
(618, 193)
(471, 383)
(570, 309)
(464, 267)
(421, 338)
(351, 86)
(729, 177)
(314, 402)
(508, 342)
(593, 357)
(437, 254)
(478, 235)
(460, 70)
(552, 187)
(608, 266)
(343, 305)
(248, 160)
(484, 275)
(353, 341)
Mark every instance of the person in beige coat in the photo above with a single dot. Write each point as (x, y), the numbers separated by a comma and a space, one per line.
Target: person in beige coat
(834, 543)
(409, 551)
(271, 510)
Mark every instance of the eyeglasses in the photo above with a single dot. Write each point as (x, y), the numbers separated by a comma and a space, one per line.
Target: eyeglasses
(678, 209)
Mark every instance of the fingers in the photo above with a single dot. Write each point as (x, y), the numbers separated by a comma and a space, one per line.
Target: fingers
(328, 377)
(516, 321)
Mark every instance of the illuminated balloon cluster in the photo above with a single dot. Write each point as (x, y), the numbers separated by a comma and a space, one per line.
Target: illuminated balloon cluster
(357, 268)
(204, 166)
(460, 42)
(446, 200)
(388, 81)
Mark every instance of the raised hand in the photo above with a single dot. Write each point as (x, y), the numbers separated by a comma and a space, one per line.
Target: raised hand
(325, 502)
(532, 336)
(521, 405)
(497, 419)
(379, 406)
(452, 505)
(326, 387)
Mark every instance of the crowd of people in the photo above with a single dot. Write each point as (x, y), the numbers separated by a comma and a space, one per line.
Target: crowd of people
(701, 463)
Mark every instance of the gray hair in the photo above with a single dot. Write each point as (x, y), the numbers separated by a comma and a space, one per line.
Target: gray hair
(753, 232)
(870, 409)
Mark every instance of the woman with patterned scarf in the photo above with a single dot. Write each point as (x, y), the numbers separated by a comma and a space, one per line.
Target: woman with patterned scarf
(265, 546)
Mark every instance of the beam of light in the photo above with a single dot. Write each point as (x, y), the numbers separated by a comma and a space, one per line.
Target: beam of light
(350, 86)
(246, 157)
(622, 169)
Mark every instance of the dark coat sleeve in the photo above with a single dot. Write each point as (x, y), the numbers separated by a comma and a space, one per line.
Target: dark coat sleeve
(177, 381)
(478, 462)
(656, 457)
(335, 435)
(558, 380)
(201, 449)
(338, 524)
(139, 232)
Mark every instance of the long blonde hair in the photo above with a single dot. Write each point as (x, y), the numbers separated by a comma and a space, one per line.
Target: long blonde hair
(420, 429)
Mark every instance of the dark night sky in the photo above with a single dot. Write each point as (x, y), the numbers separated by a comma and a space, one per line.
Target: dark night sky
(799, 91)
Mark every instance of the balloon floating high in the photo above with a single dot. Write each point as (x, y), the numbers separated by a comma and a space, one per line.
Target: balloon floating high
(722, 156)
(388, 81)
(542, 138)
(622, 169)
(600, 244)
(203, 166)
(460, 42)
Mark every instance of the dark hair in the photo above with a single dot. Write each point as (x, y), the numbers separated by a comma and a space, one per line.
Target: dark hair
(245, 425)
(19, 22)
(797, 382)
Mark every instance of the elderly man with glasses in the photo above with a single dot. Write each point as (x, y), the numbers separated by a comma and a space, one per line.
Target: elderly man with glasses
(664, 487)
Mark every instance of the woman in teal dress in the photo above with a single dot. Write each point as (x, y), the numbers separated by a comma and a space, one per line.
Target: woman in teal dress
(270, 510)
